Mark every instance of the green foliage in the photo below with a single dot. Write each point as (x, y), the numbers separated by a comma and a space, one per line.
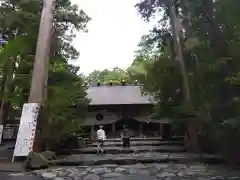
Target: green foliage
(13, 48)
(211, 56)
(66, 104)
(106, 76)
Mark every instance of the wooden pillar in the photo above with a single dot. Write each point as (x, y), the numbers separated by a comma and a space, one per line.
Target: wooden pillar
(161, 129)
(193, 131)
(92, 136)
(113, 128)
(167, 131)
(140, 129)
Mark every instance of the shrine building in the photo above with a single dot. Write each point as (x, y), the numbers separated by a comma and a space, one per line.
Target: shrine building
(114, 106)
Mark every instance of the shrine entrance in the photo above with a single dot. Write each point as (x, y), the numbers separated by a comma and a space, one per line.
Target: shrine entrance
(132, 124)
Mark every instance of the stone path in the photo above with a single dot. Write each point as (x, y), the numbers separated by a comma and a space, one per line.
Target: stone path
(11, 167)
(144, 148)
(18, 176)
(147, 157)
(169, 171)
(134, 163)
(6, 151)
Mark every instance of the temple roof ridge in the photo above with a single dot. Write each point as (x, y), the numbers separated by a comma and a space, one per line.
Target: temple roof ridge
(113, 95)
(95, 85)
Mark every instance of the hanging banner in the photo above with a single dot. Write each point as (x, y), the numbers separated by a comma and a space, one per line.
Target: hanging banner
(27, 129)
(1, 133)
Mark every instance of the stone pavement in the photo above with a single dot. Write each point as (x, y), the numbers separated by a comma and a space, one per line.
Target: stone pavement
(142, 150)
(11, 167)
(6, 151)
(167, 171)
(147, 157)
(18, 176)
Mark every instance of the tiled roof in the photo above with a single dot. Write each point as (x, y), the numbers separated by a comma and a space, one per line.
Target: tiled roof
(113, 119)
(115, 95)
(89, 121)
(150, 120)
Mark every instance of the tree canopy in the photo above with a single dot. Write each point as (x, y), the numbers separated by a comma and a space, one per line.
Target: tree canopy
(209, 39)
(65, 103)
(210, 49)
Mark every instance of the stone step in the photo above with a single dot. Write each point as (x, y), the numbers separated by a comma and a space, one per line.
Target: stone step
(124, 159)
(139, 143)
(132, 149)
(176, 138)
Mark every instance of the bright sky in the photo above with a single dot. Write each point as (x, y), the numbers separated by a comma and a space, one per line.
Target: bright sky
(114, 32)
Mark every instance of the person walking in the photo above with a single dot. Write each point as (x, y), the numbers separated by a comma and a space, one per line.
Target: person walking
(101, 137)
(125, 135)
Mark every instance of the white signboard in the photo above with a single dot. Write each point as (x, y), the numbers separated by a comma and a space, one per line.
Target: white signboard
(27, 129)
(1, 133)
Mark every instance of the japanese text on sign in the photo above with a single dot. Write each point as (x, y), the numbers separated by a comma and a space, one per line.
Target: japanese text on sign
(27, 129)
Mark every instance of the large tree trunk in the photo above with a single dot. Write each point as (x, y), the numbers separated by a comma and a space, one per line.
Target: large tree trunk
(191, 135)
(39, 77)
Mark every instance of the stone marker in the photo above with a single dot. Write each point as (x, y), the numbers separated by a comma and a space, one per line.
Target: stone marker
(35, 161)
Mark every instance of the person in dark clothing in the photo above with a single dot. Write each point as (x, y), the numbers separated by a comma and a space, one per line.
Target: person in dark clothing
(125, 135)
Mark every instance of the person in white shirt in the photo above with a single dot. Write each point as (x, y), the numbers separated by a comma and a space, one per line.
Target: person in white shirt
(101, 137)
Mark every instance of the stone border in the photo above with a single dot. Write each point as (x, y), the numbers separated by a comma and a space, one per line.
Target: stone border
(175, 158)
(117, 150)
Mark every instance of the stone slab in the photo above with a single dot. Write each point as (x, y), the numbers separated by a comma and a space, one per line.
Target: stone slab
(139, 143)
(18, 176)
(175, 138)
(11, 167)
(121, 159)
(139, 171)
(132, 149)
